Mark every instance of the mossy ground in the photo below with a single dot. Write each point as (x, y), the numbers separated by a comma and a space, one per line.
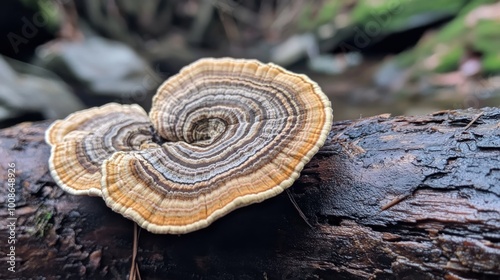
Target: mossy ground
(450, 44)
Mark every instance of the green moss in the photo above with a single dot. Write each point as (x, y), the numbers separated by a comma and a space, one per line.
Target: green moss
(401, 14)
(483, 37)
(42, 222)
(487, 37)
(451, 31)
(491, 64)
(471, 5)
(451, 60)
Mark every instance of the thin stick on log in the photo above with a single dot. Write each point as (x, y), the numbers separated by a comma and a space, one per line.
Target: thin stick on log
(448, 225)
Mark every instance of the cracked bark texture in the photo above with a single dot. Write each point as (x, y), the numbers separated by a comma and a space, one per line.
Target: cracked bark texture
(388, 198)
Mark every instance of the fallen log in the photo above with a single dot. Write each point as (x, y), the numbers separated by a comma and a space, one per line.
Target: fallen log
(388, 198)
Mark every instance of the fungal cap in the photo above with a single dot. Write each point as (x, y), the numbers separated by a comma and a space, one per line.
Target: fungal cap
(83, 140)
(237, 132)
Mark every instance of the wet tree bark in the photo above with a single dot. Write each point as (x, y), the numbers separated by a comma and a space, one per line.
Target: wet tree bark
(388, 198)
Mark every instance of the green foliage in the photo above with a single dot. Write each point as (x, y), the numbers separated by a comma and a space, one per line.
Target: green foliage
(471, 5)
(451, 60)
(487, 37)
(483, 37)
(42, 220)
(402, 14)
(313, 16)
(491, 64)
(406, 59)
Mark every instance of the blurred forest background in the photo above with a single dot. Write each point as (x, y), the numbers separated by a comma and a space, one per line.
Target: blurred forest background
(369, 56)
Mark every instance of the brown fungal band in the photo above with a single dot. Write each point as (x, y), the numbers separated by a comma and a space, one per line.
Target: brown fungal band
(233, 132)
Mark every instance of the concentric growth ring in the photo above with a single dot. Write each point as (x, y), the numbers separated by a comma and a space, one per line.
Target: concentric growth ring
(233, 132)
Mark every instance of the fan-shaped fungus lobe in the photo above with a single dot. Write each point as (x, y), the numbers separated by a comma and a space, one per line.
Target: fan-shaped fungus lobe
(82, 141)
(234, 132)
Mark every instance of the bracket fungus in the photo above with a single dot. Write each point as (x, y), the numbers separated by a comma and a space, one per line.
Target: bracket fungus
(221, 134)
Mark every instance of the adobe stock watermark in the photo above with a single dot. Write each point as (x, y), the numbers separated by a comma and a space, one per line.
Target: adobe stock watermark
(11, 217)
(364, 35)
(30, 26)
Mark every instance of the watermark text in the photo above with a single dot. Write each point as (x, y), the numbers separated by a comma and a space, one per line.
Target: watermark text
(11, 217)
